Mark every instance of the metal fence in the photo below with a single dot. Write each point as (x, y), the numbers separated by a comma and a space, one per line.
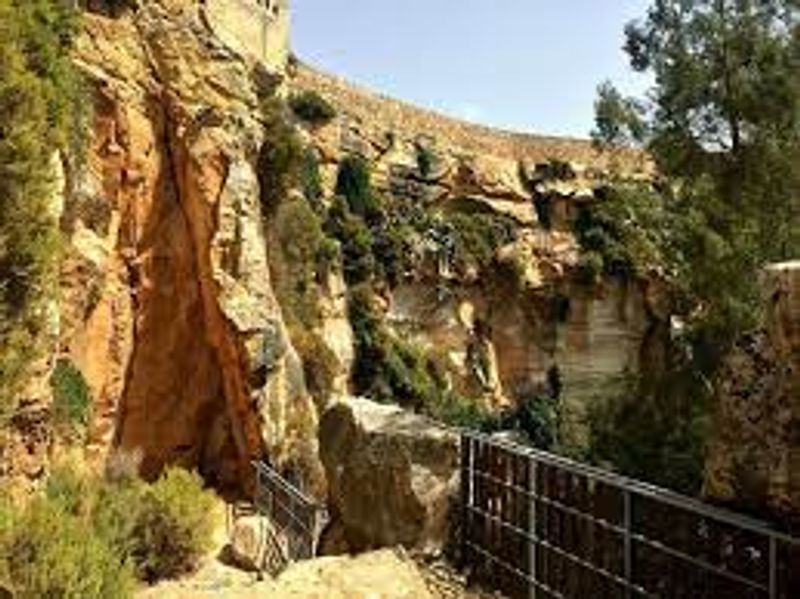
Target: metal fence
(291, 519)
(540, 526)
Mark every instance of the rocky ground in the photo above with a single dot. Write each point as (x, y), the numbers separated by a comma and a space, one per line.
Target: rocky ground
(385, 574)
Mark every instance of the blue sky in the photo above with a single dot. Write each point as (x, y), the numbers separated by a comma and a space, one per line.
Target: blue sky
(524, 64)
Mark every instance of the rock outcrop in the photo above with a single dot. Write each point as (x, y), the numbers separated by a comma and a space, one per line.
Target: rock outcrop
(168, 305)
(754, 457)
(392, 476)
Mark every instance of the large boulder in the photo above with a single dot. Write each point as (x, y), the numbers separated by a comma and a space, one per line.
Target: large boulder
(392, 478)
(246, 547)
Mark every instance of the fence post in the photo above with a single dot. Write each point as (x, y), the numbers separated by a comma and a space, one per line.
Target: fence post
(532, 528)
(466, 492)
(773, 568)
(627, 519)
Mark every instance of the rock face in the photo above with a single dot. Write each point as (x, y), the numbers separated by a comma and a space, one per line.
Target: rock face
(754, 458)
(169, 307)
(392, 476)
(593, 336)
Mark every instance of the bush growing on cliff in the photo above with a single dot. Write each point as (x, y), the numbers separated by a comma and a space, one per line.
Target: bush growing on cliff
(391, 370)
(425, 160)
(320, 365)
(298, 250)
(311, 180)
(311, 107)
(353, 184)
(625, 233)
(39, 109)
(281, 158)
(356, 242)
(476, 233)
(385, 368)
(72, 400)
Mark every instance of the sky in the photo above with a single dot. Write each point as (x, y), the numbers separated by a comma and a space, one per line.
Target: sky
(530, 65)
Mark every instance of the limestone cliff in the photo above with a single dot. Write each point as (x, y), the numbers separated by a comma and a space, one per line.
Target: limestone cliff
(591, 334)
(167, 304)
(754, 456)
(168, 308)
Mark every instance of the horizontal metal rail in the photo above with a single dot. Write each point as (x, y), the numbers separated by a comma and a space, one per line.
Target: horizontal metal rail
(713, 547)
(553, 503)
(561, 552)
(624, 483)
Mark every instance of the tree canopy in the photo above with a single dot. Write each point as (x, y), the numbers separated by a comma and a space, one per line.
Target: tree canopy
(722, 122)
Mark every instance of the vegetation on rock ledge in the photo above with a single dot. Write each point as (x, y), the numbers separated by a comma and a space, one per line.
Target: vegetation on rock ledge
(40, 109)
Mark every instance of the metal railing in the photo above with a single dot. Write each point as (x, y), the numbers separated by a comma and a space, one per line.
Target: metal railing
(291, 519)
(536, 525)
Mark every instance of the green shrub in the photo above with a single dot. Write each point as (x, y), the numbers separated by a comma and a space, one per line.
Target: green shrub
(50, 552)
(87, 539)
(115, 509)
(537, 418)
(625, 232)
(70, 490)
(476, 233)
(311, 107)
(353, 184)
(40, 107)
(391, 250)
(173, 526)
(425, 160)
(543, 204)
(654, 430)
(555, 170)
(311, 180)
(72, 400)
(297, 248)
(356, 241)
(280, 159)
(590, 267)
(320, 365)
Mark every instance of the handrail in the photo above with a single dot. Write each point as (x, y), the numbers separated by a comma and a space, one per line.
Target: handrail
(671, 498)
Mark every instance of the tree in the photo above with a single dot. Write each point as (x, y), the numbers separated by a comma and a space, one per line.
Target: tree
(722, 122)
